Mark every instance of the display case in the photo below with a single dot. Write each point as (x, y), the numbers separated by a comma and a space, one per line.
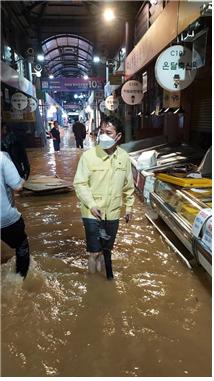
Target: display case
(180, 208)
(168, 156)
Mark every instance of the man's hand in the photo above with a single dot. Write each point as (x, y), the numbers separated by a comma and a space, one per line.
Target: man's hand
(96, 213)
(128, 217)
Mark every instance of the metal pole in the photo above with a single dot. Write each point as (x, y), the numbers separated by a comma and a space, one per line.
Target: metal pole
(127, 108)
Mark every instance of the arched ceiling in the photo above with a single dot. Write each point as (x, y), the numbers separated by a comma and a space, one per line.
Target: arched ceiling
(67, 55)
(70, 31)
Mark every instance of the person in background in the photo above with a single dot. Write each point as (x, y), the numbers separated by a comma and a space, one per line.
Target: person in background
(55, 134)
(14, 146)
(102, 180)
(79, 131)
(12, 223)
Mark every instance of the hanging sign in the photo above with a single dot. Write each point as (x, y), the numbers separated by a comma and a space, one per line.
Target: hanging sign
(132, 92)
(19, 101)
(103, 108)
(171, 99)
(32, 104)
(174, 69)
(111, 103)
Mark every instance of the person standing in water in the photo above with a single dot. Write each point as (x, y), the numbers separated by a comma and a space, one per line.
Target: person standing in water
(12, 224)
(55, 134)
(102, 180)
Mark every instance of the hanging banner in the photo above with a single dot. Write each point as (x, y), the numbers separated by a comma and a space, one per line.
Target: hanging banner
(73, 84)
(19, 101)
(132, 92)
(111, 103)
(174, 68)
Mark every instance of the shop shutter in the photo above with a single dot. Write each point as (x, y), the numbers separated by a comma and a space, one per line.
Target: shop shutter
(202, 107)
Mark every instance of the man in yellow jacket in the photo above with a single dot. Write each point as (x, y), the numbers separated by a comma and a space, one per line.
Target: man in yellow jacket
(103, 180)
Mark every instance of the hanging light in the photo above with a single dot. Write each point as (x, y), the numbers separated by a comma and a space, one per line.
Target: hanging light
(40, 57)
(96, 59)
(109, 15)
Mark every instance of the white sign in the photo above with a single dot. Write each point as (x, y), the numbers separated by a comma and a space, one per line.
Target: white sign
(145, 82)
(32, 104)
(132, 92)
(199, 221)
(111, 103)
(19, 101)
(174, 69)
(103, 108)
(16, 115)
(207, 235)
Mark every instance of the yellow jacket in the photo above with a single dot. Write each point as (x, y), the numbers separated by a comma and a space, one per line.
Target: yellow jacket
(103, 181)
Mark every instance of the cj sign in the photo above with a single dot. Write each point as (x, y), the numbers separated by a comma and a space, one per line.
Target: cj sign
(111, 103)
(174, 68)
(132, 92)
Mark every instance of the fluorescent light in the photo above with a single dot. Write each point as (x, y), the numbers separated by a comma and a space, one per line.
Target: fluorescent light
(85, 76)
(51, 76)
(96, 59)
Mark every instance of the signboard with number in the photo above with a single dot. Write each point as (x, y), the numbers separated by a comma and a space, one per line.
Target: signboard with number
(73, 84)
(174, 69)
(32, 104)
(132, 92)
(111, 103)
(19, 101)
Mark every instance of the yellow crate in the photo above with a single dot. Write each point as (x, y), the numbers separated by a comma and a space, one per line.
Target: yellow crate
(185, 182)
(188, 212)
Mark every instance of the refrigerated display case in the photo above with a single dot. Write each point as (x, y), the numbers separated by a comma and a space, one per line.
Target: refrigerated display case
(180, 208)
(168, 156)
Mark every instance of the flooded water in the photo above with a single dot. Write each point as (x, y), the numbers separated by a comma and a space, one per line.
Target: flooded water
(154, 319)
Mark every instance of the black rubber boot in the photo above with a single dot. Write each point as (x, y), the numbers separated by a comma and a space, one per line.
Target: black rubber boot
(108, 264)
(22, 258)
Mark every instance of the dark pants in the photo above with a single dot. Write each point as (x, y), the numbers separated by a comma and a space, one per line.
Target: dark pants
(15, 237)
(79, 141)
(95, 243)
(56, 144)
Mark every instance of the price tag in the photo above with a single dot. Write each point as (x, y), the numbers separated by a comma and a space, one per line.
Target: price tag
(199, 221)
(207, 236)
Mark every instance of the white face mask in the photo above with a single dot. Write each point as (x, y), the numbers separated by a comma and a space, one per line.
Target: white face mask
(106, 141)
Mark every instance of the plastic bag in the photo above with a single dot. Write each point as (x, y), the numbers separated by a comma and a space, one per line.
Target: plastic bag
(147, 160)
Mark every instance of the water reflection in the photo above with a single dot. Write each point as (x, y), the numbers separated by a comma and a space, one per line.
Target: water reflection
(151, 321)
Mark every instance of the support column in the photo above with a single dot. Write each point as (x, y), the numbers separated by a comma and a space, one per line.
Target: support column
(128, 123)
(128, 109)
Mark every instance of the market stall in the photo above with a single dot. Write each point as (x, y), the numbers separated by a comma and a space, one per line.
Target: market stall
(147, 162)
(185, 205)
